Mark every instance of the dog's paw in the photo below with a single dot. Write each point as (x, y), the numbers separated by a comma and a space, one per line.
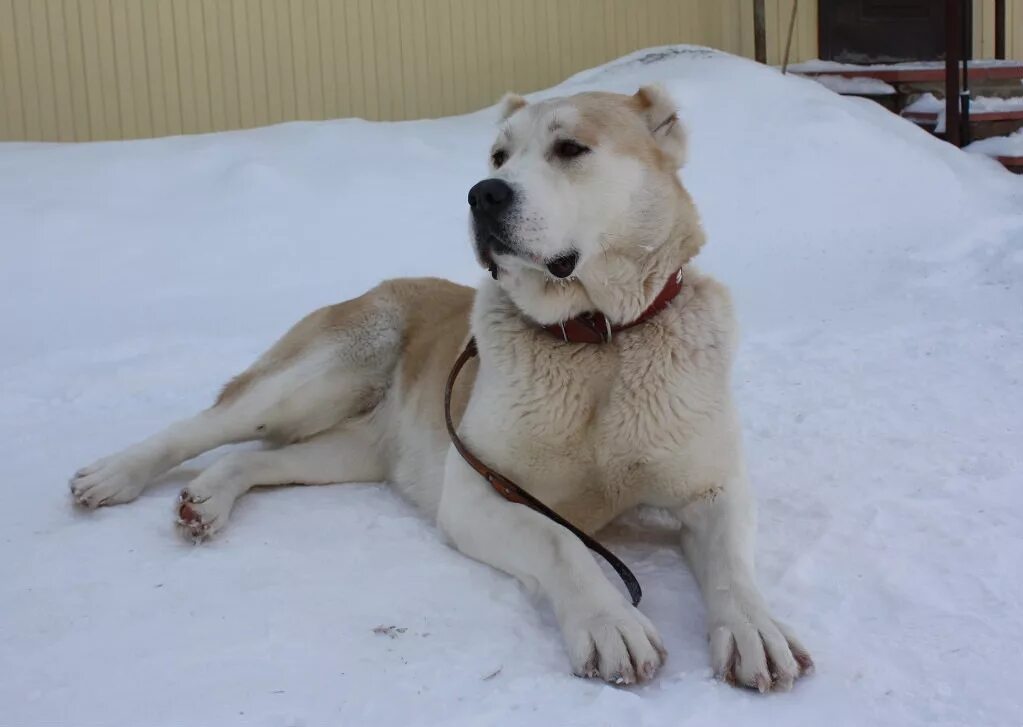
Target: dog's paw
(617, 644)
(110, 481)
(753, 650)
(202, 512)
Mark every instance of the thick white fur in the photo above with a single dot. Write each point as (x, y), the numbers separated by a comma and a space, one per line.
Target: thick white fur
(353, 393)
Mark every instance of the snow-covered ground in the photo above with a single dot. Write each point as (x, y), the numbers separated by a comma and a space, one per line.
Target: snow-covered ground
(879, 278)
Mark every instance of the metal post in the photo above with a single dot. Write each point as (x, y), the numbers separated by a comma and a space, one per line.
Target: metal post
(788, 41)
(953, 35)
(759, 32)
(967, 53)
(999, 28)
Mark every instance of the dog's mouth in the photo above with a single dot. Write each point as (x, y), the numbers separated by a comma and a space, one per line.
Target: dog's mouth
(494, 245)
(563, 265)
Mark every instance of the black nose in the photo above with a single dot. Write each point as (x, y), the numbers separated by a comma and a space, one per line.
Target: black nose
(490, 197)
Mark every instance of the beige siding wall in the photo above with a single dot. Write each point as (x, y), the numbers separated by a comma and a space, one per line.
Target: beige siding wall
(109, 69)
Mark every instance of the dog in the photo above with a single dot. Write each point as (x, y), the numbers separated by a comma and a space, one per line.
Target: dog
(582, 220)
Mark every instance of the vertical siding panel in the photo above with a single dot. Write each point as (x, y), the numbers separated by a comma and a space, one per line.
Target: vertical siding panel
(140, 86)
(156, 78)
(809, 48)
(342, 66)
(1014, 29)
(76, 71)
(567, 37)
(511, 66)
(269, 31)
(486, 51)
(364, 41)
(983, 30)
(458, 55)
(230, 85)
(10, 63)
(268, 62)
(314, 60)
(171, 83)
(113, 111)
(416, 70)
(57, 38)
(200, 82)
(449, 71)
(296, 24)
(380, 52)
(390, 27)
(238, 17)
(286, 57)
(356, 74)
(121, 43)
(92, 70)
(433, 59)
(478, 58)
(409, 72)
(42, 88)
(325, 28)
(190, 122)
(248, 13)
(523, 24)
(211, 43)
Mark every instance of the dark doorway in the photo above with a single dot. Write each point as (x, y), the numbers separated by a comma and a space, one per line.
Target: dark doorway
(881, 31)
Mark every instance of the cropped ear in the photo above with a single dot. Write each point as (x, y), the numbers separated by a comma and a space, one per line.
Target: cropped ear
(508, 105)
(661, 116)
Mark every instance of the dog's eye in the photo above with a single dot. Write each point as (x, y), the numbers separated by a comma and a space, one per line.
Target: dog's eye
(498, 158)
(568, 149)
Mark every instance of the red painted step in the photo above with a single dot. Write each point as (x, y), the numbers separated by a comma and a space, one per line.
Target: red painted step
(980, 70)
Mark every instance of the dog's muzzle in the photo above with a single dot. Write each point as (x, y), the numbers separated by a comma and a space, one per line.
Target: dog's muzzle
(490, 202)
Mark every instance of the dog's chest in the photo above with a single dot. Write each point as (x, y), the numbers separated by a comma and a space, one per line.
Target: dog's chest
(572, 421)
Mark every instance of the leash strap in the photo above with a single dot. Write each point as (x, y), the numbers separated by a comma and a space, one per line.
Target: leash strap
(513, 493)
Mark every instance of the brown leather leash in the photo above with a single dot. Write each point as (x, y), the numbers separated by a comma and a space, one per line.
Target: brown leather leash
(513, 493)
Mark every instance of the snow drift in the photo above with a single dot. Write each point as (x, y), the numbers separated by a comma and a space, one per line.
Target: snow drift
(878, 277)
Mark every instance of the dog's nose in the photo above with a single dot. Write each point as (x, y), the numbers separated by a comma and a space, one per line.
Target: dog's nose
(490, 197)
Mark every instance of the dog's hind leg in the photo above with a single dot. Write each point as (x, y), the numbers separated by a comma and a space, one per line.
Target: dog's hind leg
(122, 477)
(332, 366)
(347, 454)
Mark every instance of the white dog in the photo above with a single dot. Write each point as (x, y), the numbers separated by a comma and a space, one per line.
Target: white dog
(588, 234)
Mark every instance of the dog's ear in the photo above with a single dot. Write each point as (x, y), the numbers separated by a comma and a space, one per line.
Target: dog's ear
(508, 105)
(661, 116)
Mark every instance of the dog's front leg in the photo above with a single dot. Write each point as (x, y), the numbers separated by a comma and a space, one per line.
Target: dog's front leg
(604, 634)
(748, 647)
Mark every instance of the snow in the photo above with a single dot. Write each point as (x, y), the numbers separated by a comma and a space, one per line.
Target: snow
(857, 86)
(878, 275)
(1004, 146)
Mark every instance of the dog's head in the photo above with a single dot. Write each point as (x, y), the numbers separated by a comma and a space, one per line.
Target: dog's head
(583, 209)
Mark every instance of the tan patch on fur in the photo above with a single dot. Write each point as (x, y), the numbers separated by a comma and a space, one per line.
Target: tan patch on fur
(628, 123)
(436, 329)
(299, 339)
(511, 103)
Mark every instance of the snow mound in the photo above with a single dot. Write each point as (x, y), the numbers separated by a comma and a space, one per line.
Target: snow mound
(877, 273)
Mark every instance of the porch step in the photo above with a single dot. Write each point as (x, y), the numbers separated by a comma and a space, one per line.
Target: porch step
(918, 72)
(1006, 149)
(908, 81)
(915, 91)
(989, 116)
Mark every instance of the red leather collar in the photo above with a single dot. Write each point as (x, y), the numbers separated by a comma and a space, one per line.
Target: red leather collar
(596, 328)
